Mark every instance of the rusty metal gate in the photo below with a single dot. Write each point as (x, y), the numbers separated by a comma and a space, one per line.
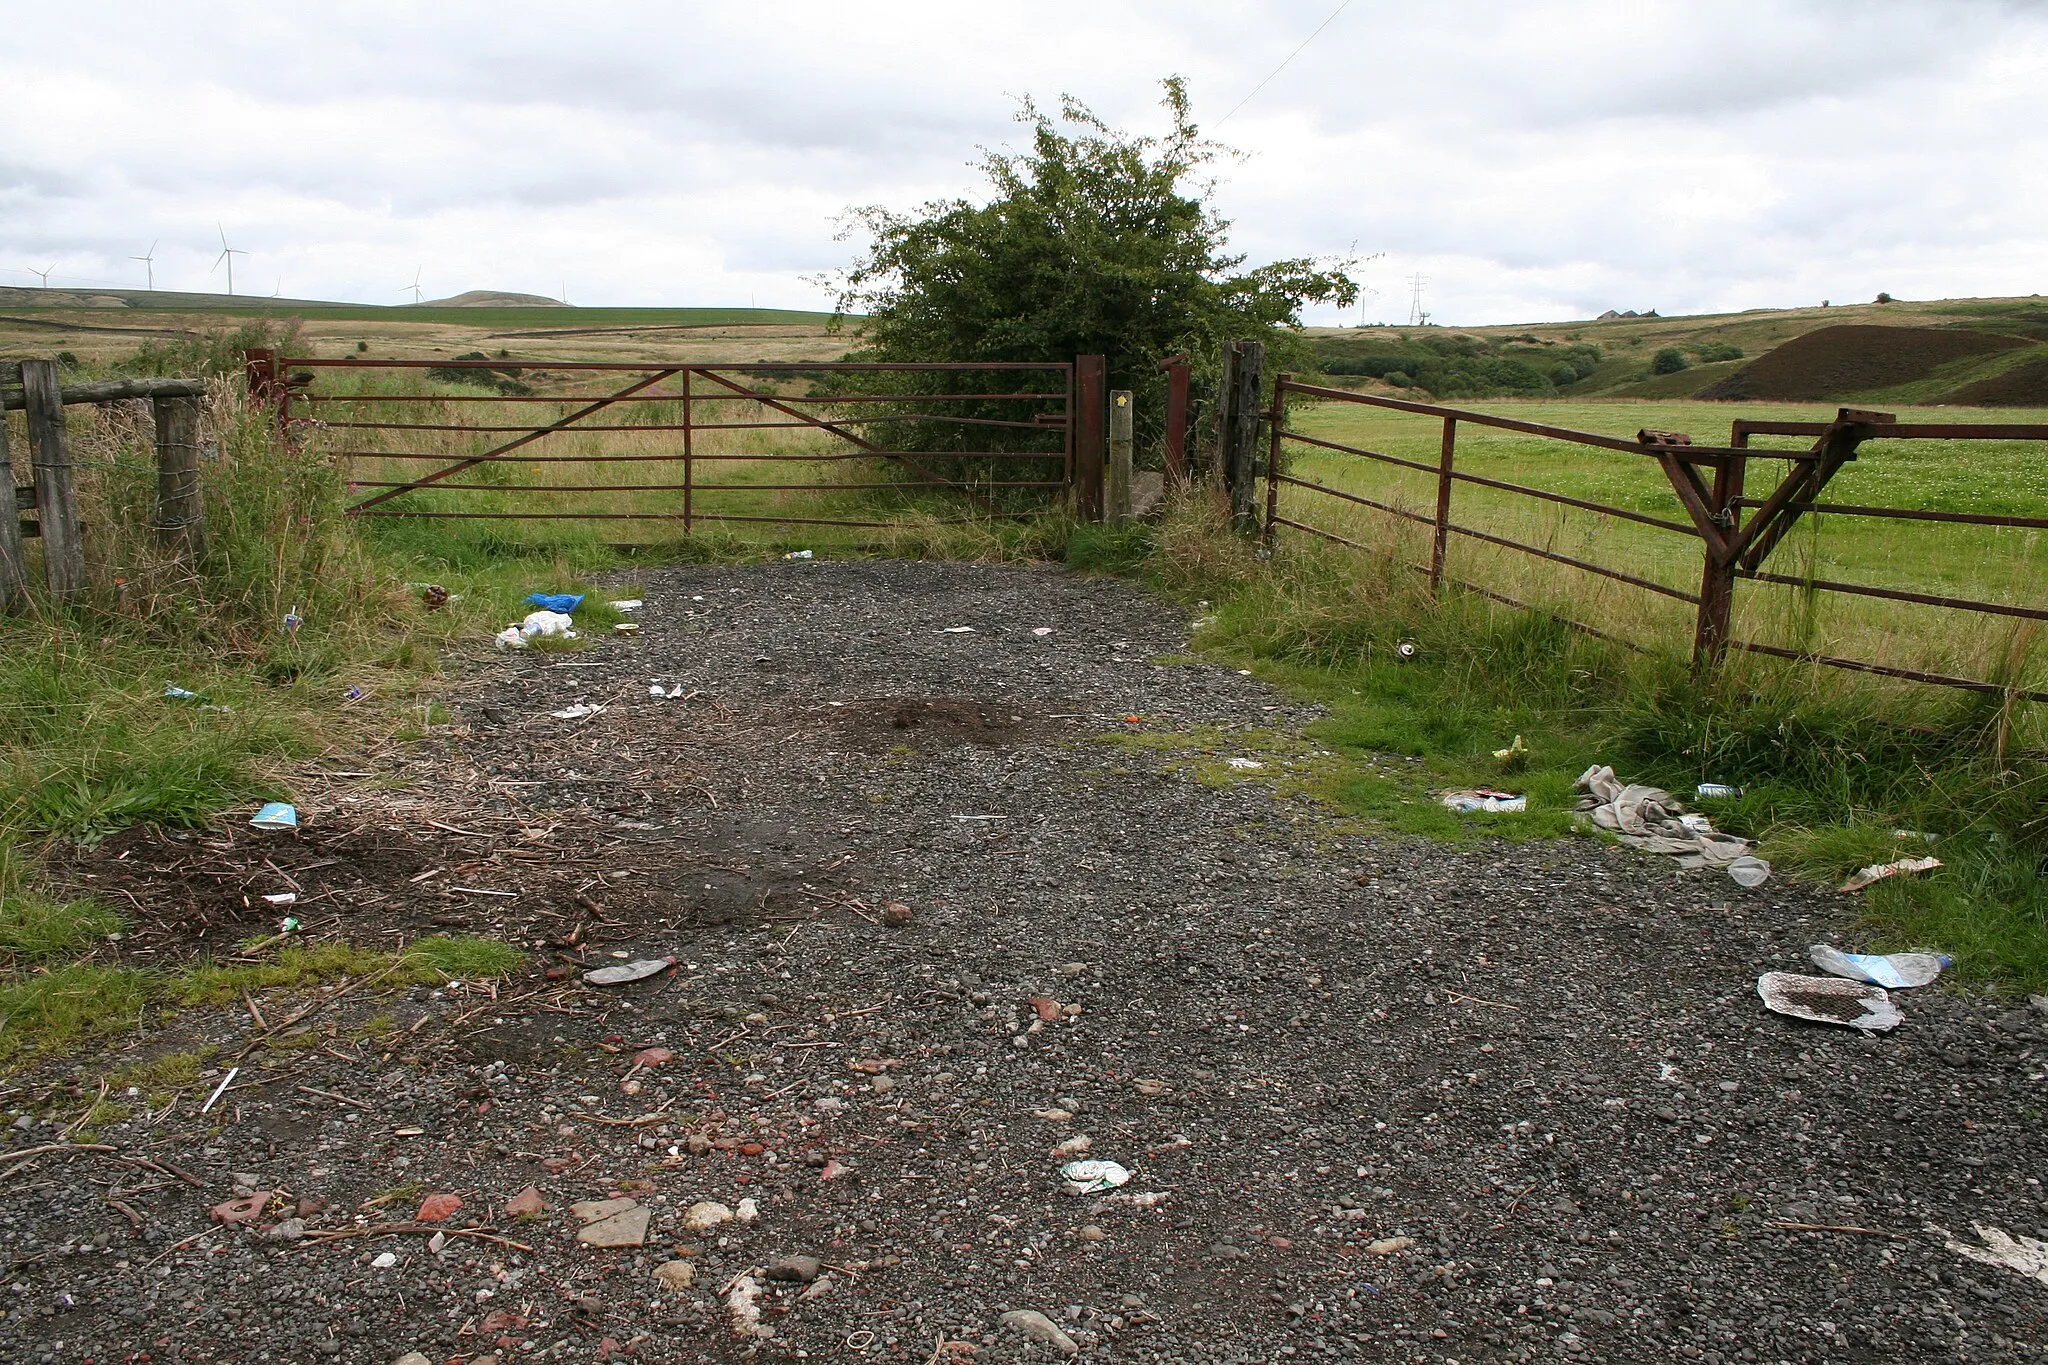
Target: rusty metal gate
(676, 445)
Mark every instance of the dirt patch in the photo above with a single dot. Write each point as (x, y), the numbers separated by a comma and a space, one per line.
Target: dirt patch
(1835, 362)
(2022, 386)
(932, 723)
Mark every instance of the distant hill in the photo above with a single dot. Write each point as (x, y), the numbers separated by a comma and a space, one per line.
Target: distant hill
(1840, 362)
(496, 298)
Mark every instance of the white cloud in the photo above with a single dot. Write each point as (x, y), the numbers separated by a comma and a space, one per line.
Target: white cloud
(1534, 160)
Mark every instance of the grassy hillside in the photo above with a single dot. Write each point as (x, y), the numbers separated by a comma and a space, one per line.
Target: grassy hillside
(1628, 348)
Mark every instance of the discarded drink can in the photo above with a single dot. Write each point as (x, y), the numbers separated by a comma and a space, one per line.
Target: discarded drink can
(1711, 790)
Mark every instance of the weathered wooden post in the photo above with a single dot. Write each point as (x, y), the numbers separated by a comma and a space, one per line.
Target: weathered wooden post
(1241, 470)
(13, 564)
(1118, 480)
(1218, 451)
(1091, 385)
(180, 504)
(56, 505)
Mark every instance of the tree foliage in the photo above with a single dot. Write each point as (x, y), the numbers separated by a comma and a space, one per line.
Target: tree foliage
(1092, 241)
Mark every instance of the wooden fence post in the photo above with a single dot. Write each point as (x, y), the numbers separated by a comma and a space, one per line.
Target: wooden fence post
(180, 500)
(1218, 447)
(1091, 385)
(56, 506)
(1440, 543)
(1117, 483)
(13, 563)
(1717, 575)
(1241, 477)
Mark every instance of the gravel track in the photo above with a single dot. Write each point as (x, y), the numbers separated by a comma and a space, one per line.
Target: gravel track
(1382, 1100)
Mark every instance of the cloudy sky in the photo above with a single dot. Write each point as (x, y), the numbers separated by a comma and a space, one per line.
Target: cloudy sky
(1532, 161)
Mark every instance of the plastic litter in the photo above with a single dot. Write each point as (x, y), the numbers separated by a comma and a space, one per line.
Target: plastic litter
(1515, 750)
(1652, 819)
(1897, 971)
(576, 712)
(628, 971)
(276, 815)
(1041, 630)
(173, 692)
(657, 690)
(1248, 764)
(1483, 799)
(955, 630)
(627, 604)
(2021, 1255)
(354, 694)
(1750, 872)
(1713, 791)
(548, 623)
(509, 638)
(1829, 1000)
(290, 924)
(282, 898)
(1093, 1177)
(799, 554)
(1877, 872)
(563, 602)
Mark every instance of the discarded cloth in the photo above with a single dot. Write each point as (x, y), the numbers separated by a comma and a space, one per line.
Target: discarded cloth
(1652, 819)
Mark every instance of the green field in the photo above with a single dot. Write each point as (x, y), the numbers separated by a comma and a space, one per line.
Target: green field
(2004, 565)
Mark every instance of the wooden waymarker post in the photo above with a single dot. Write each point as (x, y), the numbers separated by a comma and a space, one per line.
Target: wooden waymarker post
(56, 503)
(180, 508)
(1118, 480)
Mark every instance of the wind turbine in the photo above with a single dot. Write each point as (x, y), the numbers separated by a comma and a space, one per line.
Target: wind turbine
(414, 286)
(148, 264)
(43, 275)
(228, 254)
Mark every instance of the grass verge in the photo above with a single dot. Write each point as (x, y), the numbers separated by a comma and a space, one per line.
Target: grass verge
(1832, 768)
(49, 1009)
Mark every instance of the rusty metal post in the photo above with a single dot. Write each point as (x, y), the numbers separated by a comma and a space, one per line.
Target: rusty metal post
(13, 562)
(1277, 423)
(1440, 541)
(1117, 479)
(180, 501)
(1176, 420)
(56, 504)
(689, 461)
(1241, 469)
(1091, 386)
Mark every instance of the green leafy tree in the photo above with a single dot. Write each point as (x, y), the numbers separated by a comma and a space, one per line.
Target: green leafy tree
(1670, 360)
(1093, 241)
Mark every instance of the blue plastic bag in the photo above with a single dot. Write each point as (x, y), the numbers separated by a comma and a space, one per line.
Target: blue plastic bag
(564, 602)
